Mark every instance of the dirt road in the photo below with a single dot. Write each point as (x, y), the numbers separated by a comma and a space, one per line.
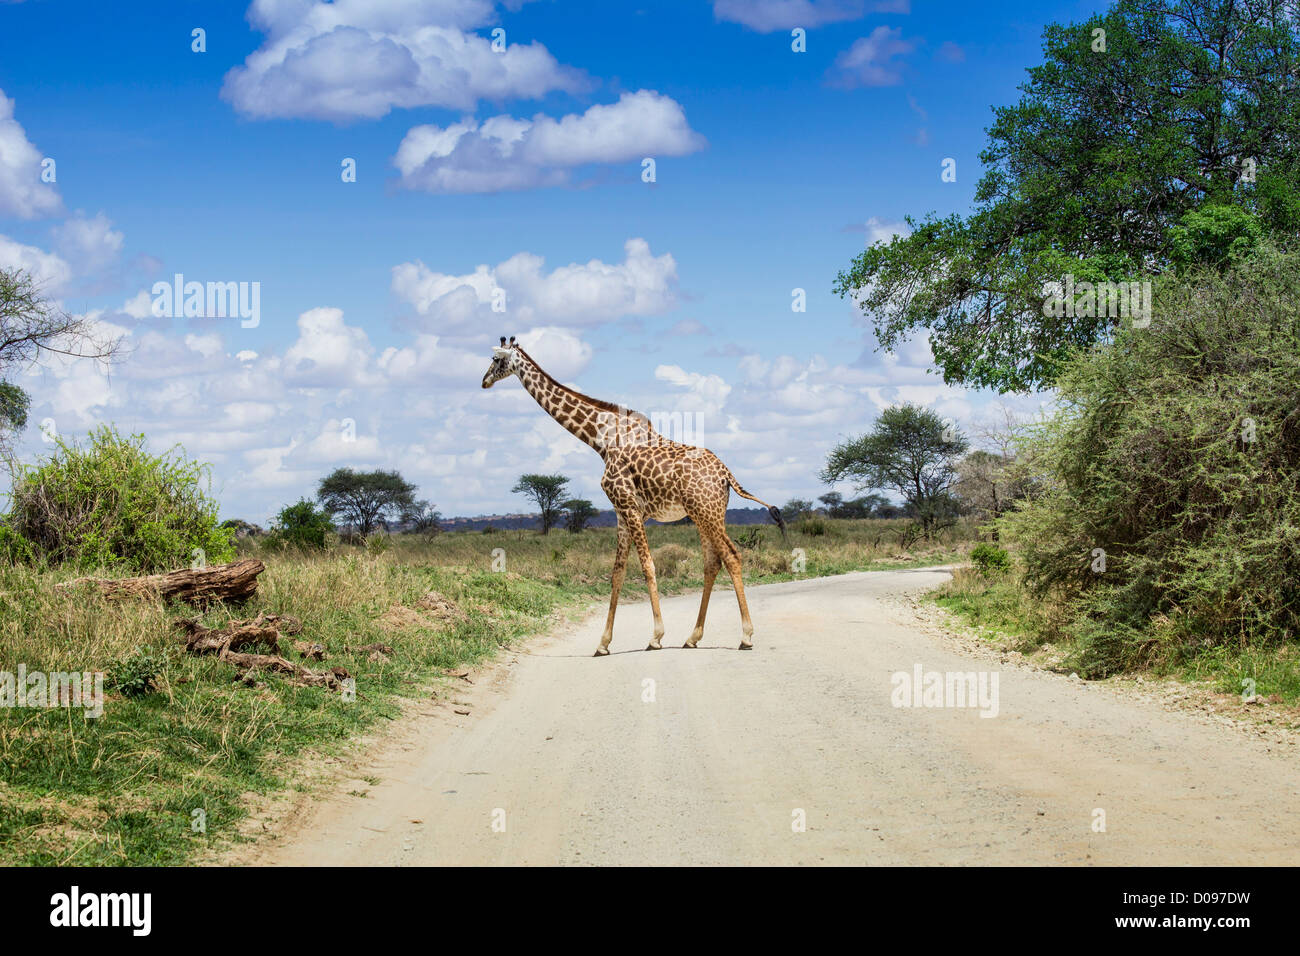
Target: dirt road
(713, 756)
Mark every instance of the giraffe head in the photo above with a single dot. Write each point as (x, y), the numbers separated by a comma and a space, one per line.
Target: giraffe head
(505, 362)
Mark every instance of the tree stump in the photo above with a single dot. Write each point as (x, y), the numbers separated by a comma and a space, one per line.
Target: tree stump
(235, 582)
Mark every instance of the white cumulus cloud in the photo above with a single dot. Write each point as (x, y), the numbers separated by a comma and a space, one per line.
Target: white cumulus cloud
(359, 59)
(574, 295)
(559, 351)
(50, 271)
(503, 153)
(22, 193)
(328, 353)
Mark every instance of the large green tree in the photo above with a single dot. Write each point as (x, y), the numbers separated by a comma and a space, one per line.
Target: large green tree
(363, 499)
(1159, 133)
(911, 451)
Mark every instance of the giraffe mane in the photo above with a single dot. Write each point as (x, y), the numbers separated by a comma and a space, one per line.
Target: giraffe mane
(603, 405)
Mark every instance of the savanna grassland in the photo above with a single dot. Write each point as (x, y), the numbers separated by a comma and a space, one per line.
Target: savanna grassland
(123, 789)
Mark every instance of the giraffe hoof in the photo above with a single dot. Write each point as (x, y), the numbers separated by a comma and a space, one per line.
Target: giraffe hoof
(746, 647)
(601, 652)
(654, 647)
(689, 644)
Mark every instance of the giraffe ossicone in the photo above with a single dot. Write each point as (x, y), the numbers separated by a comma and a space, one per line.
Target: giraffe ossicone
(647, 477)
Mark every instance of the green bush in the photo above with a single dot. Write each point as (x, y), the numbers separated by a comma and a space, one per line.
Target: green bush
(814, 527)
(990, 560)
(137, 675)
(111, 504)
(1165, 512)
(302, 525)
(14, 548)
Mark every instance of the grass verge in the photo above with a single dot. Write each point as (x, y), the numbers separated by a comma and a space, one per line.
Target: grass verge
(1004, 613)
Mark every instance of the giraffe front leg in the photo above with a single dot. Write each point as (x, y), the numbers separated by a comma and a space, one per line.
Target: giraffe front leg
(648, 567)
(616, 584)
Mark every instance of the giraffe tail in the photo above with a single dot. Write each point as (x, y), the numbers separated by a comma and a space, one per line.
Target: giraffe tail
(773, 510)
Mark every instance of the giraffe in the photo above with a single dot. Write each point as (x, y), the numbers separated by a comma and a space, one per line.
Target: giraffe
(646, 476)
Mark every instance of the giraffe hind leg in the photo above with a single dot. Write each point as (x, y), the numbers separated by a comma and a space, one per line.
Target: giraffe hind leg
(731, 558)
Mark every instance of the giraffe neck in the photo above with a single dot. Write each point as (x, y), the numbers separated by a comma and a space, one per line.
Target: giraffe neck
(600, 425)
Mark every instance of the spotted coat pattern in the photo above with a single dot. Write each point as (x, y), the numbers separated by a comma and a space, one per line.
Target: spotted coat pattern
(646, 476)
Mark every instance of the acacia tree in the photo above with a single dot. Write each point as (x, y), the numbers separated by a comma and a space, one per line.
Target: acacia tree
(425, 518)
(1157, 134)
(577, 512)
(911, 451)
(365, 498)
(546, 491)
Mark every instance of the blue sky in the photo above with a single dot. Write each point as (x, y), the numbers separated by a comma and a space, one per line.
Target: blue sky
(224, 165)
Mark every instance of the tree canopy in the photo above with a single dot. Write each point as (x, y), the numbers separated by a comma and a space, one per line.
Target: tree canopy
(363, 499)
(1156, 135)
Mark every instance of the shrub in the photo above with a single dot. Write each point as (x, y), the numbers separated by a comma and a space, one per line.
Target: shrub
(814, 527)
(750, 538)
(302, 525)
(1166, 502)
(112, 504)
(772, 562)
(137, 675)
(14, 548)
(909, 534)
(990, 560)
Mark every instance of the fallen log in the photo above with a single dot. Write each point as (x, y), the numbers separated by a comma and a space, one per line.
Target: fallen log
(235, 582)
(226, 643)
(263, 629)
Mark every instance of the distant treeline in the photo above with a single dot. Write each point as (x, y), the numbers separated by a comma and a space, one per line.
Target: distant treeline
(602, 519)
